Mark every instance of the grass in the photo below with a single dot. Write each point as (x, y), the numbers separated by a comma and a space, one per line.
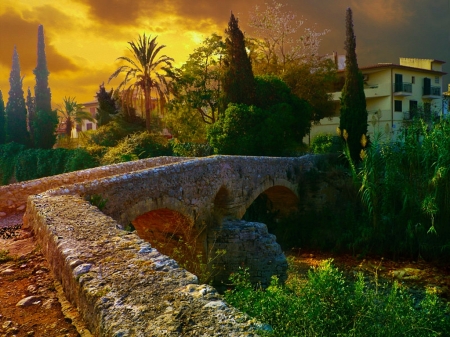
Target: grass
(4, 256)
(327, 304)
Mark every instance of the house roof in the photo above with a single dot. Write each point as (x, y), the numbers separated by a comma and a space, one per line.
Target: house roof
(398, 66)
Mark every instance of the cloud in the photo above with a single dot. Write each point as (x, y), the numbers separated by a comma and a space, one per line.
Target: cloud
(390, 12)
(16, 31)
(118, 12)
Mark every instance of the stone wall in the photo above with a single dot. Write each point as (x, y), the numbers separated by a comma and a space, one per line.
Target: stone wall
(119, 283)
(249, 245)
(13, 197)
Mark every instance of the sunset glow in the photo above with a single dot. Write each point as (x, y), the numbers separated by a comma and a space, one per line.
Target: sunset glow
(85, 37)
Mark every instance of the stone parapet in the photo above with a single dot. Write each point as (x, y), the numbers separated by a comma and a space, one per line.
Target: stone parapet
(119, 283)
(13, 197)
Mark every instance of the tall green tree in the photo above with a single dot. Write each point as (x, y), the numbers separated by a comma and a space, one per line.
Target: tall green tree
(2, 120)
(353, 120)
(44, 120)
(16, 112)
(106, 106)
(31, 108)
(143, 71)
(238, 80)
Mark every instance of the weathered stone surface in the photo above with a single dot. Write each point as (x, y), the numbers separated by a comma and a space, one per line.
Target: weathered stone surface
(124, 287)
(27, 301)
(248, 245)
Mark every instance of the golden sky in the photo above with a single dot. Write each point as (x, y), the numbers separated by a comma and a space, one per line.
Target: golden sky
(84, 37)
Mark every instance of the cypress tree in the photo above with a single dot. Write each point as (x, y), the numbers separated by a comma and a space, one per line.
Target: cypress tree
(238, 80)
(44, 121)
(31, 107)
(16, 112)
(2, 120)
(353, 120)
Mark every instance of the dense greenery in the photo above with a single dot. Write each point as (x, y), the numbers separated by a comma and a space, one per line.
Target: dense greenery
(274, 126)
(353, 119)
(20, 164)
(327, 304)
(42, 119)
(106, 106)
(2, 120)
(237, 81)
(16, 112)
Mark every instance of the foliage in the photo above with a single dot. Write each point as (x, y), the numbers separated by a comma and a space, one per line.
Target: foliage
(185, 124)
(137, 146)
(196, 84)
(43, 120)
(325, 143)
(353, 119)
(275, 46)
(238, 80)
(326, 304)
(44, 126)
(8, 154)
(112, 133)
(98, 201)
(4, 256)
(72, 114)
(313, 83)
(190, 149)
(16, 112)
(144, 70)
(106, 106)
(2, 120)
(37, 163)
(275, 127)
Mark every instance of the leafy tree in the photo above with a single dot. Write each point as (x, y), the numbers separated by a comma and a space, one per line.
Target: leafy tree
(238, 80)
(2, 120)
(16, 112)
(143, 72)
(313, 86)
(72, 114)
(275, 46)
(274, 127)
(353, 120)
(45, 120)
(186, 124)
(196, 84)
(106, 106)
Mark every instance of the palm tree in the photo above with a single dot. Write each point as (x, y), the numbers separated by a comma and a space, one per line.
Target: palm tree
(143, 69)
(73, 114)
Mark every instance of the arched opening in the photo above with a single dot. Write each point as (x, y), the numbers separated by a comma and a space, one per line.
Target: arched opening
(276, 207)
(172, 234)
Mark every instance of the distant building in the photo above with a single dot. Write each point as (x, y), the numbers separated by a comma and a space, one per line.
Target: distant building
(394, 94)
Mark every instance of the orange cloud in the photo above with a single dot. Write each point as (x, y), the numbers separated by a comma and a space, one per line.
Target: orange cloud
(391, 12)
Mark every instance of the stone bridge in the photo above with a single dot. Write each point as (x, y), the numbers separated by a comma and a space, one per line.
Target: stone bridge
(204, 197)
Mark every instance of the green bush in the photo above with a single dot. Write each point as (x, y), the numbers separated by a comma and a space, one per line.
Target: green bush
(137, 146)
(325, 143)
(190, 149)
(111, 134)
(327, 304)
(8, 154)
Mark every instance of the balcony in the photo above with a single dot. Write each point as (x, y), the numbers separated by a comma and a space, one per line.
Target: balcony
(370, 91)
(402, 89)
(431, 92)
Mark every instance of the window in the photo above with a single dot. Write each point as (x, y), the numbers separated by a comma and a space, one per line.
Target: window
(398, 106)
(413, 79)
(88, 126)
(398, 86)
(436, 79)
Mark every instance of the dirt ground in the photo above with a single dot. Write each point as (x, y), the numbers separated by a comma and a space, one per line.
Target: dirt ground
(32, 304)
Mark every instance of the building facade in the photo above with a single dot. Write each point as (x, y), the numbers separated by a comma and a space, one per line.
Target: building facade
(395, 93)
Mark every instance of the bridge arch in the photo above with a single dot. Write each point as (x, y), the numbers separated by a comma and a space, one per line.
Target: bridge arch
(282, 194)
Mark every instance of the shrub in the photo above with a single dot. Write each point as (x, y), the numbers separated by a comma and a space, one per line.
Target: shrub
(8, 154)
(190, 149)
(137, 146)
(326, 304)
(325, 143)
